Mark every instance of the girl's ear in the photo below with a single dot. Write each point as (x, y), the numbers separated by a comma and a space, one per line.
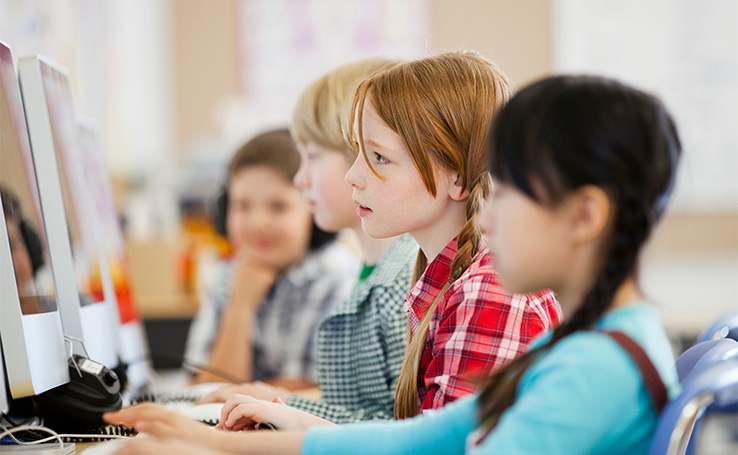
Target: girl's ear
(589, 213)
(457, 192)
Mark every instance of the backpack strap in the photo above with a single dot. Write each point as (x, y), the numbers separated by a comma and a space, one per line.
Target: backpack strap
(651, 377)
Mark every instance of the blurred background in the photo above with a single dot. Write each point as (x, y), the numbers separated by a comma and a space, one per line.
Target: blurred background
(177, 85)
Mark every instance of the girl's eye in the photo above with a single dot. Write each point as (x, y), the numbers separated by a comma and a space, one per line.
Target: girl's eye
(380, 159)
(279, 207)
(239, 206)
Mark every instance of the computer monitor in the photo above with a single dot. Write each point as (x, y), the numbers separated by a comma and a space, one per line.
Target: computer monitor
(73, 233)
(131, 334)
(30, 327)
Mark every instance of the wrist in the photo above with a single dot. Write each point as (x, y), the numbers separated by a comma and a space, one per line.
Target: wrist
(240, 312)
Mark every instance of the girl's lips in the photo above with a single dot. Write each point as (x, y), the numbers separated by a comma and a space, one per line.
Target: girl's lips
(363, 211)
(262, 244)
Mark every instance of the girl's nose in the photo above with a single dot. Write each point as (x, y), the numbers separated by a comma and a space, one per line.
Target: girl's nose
(259, 220)
(354, 175)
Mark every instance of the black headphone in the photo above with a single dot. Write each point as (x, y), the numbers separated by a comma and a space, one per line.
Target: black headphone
(92, 390)
(218, 209)
(218, 212)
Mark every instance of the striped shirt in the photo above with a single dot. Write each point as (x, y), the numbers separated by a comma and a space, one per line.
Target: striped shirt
(361, 345)
(284, 334)
(476, 326)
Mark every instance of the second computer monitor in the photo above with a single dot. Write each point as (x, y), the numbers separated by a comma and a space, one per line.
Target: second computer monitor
(73, 232)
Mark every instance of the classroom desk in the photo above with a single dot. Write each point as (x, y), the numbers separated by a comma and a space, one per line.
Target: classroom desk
(174, 306)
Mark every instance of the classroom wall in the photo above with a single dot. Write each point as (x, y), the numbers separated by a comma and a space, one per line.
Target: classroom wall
(207, 50)
(206, 61)
(515, 34)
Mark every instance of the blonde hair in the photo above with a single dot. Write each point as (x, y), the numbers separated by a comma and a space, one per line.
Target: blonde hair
(442, 107)
(316, 117)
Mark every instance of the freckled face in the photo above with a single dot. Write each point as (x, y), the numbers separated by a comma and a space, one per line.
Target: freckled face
(397, 201)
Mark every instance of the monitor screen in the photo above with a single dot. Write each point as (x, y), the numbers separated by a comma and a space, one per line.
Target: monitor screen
(21, 206)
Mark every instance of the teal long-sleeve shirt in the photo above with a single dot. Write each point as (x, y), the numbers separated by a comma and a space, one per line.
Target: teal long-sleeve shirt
(584, 396)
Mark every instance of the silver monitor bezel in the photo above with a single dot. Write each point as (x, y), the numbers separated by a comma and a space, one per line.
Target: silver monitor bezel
(94, 324)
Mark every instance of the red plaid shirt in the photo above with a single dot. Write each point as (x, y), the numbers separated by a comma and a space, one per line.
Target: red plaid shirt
(476, 327)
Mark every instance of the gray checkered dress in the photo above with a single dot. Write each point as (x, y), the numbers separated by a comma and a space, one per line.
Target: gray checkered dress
(361, 344)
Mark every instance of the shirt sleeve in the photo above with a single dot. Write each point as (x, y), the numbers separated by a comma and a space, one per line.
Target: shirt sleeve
(316, 300)
(582, 399)
(301, 362)
(202, 330)
(443, 431)
(335, 413)
(480, 328)
(392, 323)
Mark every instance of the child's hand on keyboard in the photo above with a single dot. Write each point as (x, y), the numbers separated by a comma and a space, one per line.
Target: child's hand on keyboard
(244, 412)
(258, 390)
(157, 421)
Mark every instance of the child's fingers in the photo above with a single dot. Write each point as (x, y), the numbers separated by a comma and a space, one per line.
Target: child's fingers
(242, 414)
(240, 427)
(129, 416)
(230, 405)
(157, 428)
(233, 402)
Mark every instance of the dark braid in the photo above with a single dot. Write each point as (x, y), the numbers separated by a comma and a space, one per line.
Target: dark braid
(567, 132)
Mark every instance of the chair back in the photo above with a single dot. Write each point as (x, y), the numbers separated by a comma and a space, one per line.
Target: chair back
(705, 353)
(725, 327)
(714, 383)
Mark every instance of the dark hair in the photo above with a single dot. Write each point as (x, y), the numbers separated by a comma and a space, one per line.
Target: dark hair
(565, 132)
(276, 150)
(31, 238)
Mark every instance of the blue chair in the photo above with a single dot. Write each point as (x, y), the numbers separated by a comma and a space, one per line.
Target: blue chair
(712, 384)
(704, 353)
(725, 327)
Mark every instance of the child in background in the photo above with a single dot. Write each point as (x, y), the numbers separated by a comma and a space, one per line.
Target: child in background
(362, 342)
(286, 275)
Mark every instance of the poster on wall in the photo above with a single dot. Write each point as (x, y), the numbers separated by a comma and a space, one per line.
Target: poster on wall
(286, 44)
(686, 53)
